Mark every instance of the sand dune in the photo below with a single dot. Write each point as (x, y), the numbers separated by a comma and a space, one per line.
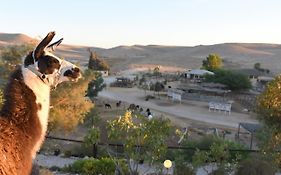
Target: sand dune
(235, 55)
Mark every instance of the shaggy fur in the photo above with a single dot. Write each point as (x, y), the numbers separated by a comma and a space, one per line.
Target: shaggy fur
(24, 116)
(19, 127)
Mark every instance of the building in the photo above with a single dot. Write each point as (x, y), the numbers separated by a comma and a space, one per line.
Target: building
(197, 74)
(257, 78)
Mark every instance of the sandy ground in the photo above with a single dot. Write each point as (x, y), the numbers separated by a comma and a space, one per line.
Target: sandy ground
(184, 113)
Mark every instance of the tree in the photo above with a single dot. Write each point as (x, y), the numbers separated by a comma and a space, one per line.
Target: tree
(156, 71)
(93, 135)
(269, 112)
(233, 80)
(212, 62)
(158, 86)
(257, 66)
(269, 103)
(218, 154)
(69, 105)
(96, 63)
(96, 85)
(10, 57)
(143, 139)
(13, 54)
(217, 151)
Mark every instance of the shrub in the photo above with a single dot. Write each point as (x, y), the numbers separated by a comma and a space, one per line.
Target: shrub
(95, 166)
(183, 168)
(206, 142)
(67, 153)
(255, 167)
(233, 80)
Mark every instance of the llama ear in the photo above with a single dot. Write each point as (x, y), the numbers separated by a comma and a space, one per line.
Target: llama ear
(52, 47)
(39, 50)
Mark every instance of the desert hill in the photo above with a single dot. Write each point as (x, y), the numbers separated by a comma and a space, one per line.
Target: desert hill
(234, 55)
(17, 38)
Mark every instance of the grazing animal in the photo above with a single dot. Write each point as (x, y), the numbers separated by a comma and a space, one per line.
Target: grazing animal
(24, 115)
(148, 112)
(132, 107)
(118, 104)
(108, 106)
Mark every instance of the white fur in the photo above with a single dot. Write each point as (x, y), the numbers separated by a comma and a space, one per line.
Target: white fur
(65, 65)
(42, 93)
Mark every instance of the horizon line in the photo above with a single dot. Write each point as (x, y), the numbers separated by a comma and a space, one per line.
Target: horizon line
(146, 45)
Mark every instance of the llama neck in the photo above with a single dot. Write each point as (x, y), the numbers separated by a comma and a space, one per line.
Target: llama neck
(42, 93)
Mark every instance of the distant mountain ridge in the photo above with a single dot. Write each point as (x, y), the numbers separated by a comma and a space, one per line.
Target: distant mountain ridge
(234, 55)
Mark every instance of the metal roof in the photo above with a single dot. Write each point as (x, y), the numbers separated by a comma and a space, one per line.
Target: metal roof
(200, 72)
(251, 127)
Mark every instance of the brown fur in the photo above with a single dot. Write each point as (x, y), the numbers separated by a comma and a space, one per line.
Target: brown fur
(19, 127)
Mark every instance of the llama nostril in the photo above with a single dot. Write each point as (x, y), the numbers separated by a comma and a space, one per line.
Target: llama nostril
(76, 69)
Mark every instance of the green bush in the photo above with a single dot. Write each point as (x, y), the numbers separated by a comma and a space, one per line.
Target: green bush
(183, 168)
(206, 142)
(255, 167)
(95, 166)
(67, 153)
(233, 80)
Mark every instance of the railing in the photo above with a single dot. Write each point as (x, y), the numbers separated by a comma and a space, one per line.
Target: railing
(120, 146)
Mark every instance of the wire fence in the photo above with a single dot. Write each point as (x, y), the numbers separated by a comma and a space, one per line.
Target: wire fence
(119, 148)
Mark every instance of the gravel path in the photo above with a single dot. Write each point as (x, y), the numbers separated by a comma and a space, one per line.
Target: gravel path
(49, 161)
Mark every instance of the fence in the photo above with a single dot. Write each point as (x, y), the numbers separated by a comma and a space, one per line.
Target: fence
(119, 148)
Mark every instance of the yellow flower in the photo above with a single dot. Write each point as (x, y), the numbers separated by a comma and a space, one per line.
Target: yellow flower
(145, 136)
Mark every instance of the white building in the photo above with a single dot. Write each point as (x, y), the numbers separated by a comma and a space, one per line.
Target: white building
(197, 74)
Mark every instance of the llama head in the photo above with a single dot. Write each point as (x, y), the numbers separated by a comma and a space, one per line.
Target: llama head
(51, 69)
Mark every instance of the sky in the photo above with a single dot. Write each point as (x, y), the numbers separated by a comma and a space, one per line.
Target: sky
(109, 23)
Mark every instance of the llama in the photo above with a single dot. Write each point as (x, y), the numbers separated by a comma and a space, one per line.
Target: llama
(107, 106)
(118, 104)
(24, 115)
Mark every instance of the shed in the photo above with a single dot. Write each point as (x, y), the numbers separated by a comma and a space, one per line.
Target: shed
(197, 74)
(252, 128)
(251, 73)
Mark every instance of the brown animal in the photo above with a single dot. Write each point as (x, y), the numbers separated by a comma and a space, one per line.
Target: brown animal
(107, 105)
(118, 104)
(24, 116)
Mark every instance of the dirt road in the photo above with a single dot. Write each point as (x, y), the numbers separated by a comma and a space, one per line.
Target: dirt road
(191, 110)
